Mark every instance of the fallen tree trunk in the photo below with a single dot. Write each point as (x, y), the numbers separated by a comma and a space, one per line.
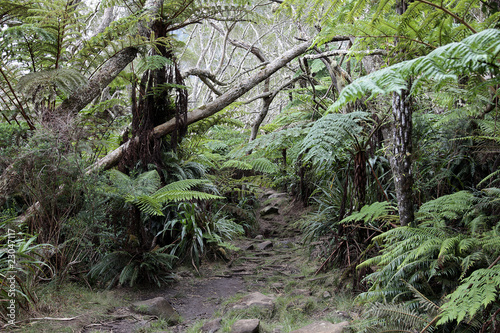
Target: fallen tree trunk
(211, 108)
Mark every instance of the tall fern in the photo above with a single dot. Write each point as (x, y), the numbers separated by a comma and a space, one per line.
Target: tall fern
(445, 254)
(474, 55)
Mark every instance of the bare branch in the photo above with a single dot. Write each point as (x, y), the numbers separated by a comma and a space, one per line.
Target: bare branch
(345, 52)
(202, 73)
(211, 108)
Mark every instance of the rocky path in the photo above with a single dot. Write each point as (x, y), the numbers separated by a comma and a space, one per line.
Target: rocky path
(267, 267)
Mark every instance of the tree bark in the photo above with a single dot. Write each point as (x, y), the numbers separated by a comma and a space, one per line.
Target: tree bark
(83, 96)
(402, 156)
(211, 108)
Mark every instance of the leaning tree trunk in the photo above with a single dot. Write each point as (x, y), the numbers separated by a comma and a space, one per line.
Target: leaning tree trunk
(402, 155)
(209, 109)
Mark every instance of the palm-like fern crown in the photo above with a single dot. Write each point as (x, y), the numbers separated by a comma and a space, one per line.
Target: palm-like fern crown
(145, 192)
(472, 56)
(424, 25)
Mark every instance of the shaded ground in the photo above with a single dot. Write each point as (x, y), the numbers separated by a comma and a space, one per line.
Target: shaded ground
(254, 268)
(270, 262)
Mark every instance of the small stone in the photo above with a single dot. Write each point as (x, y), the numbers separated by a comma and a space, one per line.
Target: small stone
(277, 285)
(159, 307)
(259, 237)
(265, 245)
(326, 294)
(249, 247)
(323, 327)
(255, 299)
(212, 326)
(303, 292)
(268, 210)
(246, 326)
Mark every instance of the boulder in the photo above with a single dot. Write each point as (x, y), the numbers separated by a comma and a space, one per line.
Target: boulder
(246, 326)
(159, 307)
(255, 299)
(323, 327)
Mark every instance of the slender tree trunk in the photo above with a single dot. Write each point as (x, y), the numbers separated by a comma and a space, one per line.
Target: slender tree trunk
(402, 147)
(266, 103)
(360, 178)
(402, 155)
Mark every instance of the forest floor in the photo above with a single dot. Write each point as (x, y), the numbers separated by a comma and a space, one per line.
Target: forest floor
(273, 261)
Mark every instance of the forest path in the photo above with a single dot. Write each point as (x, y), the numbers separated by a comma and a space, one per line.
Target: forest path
(270, 262)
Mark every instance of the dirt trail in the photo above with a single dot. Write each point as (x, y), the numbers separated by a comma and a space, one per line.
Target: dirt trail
(261, 264)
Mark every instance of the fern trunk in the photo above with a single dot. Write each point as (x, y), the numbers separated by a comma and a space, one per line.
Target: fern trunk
(360, 178)
(402, 152)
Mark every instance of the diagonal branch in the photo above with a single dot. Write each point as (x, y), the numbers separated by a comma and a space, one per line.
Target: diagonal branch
(211, 108)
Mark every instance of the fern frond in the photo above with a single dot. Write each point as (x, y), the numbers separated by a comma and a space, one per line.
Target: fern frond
(425, 303)
(275, 140)
(399, 314)
(445, 208)
(331, 133)
(236, 164)
(474, 54)
(377, 211)
(62, 81)
(476, 292)
(263, 165)
(175, 196)
(153, 62)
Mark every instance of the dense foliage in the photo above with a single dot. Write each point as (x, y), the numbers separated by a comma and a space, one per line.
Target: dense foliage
(387, 124)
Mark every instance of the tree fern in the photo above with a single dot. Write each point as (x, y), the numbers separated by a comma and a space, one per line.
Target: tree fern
(45, 85)
(274, 141)
(473, 55)
(144, 191)
(173, 192)
(330, 134)
(447, 252)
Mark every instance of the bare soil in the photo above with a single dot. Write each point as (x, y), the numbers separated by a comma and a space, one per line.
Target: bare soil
(199, 295)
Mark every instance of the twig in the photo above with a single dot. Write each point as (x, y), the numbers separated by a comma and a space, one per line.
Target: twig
(327, 260)
(494, 262)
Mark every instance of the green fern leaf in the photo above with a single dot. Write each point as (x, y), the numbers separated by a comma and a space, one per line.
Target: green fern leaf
(331, 133)
(263, 165)
(476, 292)
(378, 211)
(235, 164)
(63, 81)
